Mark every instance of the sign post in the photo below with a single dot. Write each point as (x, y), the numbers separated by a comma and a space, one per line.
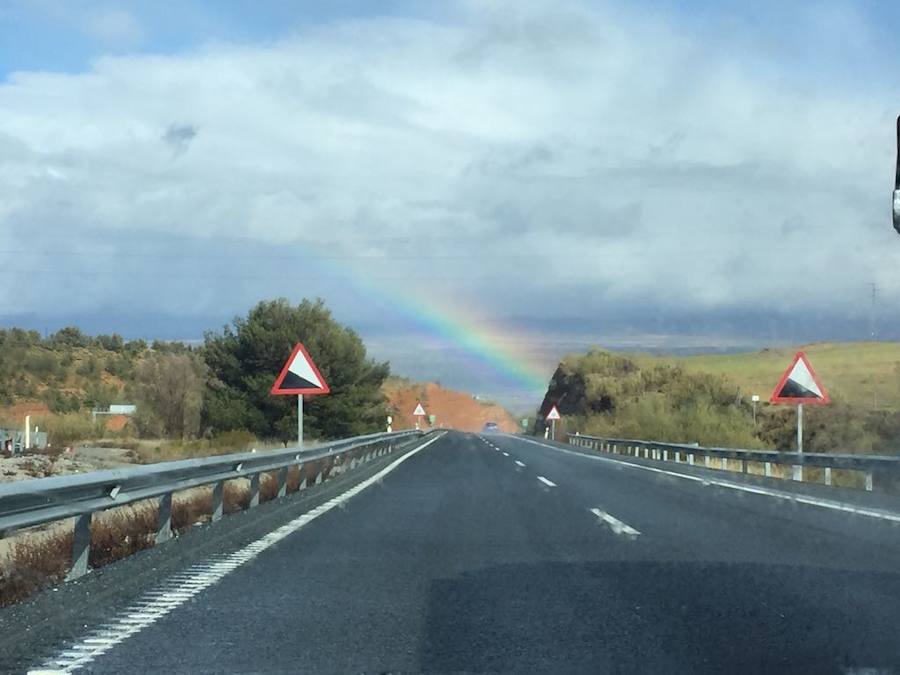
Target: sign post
(417, 413)
(552, 416)
(299, 376)
(800, 386)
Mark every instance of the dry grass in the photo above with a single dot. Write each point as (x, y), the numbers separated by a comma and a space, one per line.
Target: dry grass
(860, 373)
(223, 444)
(120, 533)
(33, 564)
(42, 559)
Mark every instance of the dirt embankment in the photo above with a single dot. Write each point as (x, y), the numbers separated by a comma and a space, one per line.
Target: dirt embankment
(452, 409)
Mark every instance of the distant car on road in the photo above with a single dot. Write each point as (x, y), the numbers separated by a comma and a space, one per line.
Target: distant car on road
(490, 426)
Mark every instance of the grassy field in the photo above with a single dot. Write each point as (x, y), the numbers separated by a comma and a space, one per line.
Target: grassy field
(860, 373)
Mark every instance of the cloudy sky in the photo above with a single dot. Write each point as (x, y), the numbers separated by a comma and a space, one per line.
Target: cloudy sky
(666, 173)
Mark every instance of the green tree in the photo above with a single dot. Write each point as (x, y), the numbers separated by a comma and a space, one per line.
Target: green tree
(112, 343)
(246, 357)
(170, 390)
(70, 336)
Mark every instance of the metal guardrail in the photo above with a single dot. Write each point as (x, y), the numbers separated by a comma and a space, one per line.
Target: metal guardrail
(882, 471)
(33, 502)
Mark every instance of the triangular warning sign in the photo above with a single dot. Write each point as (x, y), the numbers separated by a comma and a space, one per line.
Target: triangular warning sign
(419, 411)
(300, 375)
(800, 384)
(553, 414)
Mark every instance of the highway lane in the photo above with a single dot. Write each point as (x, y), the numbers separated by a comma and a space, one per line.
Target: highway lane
(494, 554)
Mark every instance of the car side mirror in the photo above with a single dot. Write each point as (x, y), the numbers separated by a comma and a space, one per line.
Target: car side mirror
(897, 210)
(897, 183)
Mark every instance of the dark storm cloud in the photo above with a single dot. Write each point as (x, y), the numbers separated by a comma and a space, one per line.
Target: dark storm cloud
(179, 137)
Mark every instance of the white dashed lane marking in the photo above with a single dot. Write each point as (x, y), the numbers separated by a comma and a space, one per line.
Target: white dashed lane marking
(520, 464)
(616, 525)
(546, 481)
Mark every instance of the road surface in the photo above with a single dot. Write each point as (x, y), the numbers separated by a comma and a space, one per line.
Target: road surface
(492, 553)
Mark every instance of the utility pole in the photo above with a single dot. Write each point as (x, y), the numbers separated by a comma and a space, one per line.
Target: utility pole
(873, 325)
(873, 332)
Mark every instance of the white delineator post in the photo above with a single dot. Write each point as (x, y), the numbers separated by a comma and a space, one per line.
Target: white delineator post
(27, 432)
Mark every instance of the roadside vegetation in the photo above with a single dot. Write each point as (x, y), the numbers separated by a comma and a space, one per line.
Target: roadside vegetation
(193, 399)
(676, 400)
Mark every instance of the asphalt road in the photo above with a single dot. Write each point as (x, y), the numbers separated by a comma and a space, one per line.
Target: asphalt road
(496, 554)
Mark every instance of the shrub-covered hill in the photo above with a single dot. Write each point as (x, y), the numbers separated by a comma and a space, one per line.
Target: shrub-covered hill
(605, 394)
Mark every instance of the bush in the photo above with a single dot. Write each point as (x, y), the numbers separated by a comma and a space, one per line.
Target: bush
(60, 402)
(43, 364)
(69, 429)
(605, 394)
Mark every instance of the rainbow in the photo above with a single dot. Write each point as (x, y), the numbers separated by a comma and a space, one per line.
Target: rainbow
(488, 344)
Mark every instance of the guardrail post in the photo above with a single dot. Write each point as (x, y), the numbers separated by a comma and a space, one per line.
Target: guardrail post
(744, 466)
(254, 490)
(827, 475)
(665, 455)
(706, 460)
(318, 474)
(768, 469)
(724, 464)
(870, 481)
(302, 477)
(218, 500)
(690, 459)
(81, 546)
(282, 482)
(164, 519)
(678, 457)
(798, 472)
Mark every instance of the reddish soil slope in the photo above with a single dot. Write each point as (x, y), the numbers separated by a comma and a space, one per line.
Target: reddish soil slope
(453, 409)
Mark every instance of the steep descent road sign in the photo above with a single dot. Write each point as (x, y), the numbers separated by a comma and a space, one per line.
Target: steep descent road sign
(800, 384)
(300, 375)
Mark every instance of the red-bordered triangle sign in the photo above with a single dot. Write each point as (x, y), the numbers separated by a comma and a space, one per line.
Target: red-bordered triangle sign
(419, 411)
(300, 375)
(553, 414)
(800, 384)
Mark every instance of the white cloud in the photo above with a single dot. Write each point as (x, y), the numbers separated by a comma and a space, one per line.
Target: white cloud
(524, 152)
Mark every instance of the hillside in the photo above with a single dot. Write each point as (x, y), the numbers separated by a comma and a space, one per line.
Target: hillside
(706, 398)
(861, 374)
(453, 409)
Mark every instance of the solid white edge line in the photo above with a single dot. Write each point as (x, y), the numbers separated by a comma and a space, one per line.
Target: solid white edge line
(546, 481)
(615, 524)
(768, 492)
(159, 602)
